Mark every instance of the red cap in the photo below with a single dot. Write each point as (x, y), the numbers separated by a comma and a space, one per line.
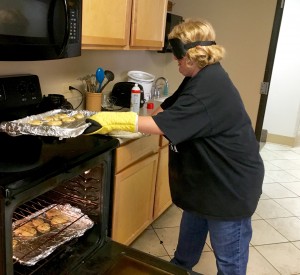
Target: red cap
(150, 105)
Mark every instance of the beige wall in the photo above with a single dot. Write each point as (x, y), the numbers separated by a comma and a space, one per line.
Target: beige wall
(55, 75)
(244, 29)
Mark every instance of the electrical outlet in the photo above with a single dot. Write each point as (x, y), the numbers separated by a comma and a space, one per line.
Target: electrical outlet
(66, 86)
(72, 95)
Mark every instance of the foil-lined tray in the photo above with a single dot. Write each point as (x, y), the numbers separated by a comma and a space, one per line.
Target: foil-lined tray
(24, 126)
(29, 250)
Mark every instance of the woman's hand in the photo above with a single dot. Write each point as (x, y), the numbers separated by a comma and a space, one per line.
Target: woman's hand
(105, 122)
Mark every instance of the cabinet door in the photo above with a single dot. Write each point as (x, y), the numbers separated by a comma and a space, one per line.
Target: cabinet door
(106, 23)
(134, 190)
(162, 190)
(148, 23)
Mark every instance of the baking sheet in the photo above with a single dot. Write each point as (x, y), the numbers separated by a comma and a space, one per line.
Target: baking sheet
(66, 130)
(30, 250)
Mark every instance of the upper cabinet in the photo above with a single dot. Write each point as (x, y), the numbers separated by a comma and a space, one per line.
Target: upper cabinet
(126, 24)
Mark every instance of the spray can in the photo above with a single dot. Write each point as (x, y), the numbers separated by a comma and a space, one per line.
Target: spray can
(135, 99)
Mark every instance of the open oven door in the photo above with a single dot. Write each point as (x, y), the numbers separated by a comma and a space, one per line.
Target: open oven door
(114, 258)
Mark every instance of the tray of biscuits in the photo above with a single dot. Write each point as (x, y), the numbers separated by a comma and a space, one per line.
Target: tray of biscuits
(60, 123)
(38, 235)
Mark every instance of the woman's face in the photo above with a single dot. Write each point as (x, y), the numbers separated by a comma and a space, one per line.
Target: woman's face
(187, 67)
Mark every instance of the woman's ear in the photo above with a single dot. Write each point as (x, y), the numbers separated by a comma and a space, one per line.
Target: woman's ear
(189, 63)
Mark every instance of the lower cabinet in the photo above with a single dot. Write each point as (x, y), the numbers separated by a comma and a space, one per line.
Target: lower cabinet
(141, 187)
(133, 200)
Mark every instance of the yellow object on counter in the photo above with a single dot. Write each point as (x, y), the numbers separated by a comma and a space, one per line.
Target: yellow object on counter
(106, 122)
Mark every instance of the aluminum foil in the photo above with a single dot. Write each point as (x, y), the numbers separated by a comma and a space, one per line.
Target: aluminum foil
(66, 130)
(29, 250)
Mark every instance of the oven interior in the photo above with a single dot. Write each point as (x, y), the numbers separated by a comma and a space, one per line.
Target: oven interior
(87, 190)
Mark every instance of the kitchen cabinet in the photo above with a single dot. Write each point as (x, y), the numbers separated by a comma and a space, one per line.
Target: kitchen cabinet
(126, 24)
(134, 188)
(141, 186)
(162, 192)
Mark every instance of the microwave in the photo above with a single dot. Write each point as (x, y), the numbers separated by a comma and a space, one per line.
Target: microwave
(40, 29)
(171, 21)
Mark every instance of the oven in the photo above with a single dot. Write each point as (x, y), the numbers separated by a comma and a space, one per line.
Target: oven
(67, 184)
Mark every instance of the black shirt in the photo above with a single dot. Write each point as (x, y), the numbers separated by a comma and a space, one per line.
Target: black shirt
(215, 168)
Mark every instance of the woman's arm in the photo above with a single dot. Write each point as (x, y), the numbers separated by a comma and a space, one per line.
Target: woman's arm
(147, 125)
(156, 111)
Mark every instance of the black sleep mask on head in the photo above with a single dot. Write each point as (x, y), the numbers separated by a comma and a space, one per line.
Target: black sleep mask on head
(179, 49)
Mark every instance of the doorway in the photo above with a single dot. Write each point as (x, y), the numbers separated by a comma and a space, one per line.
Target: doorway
(259, 132)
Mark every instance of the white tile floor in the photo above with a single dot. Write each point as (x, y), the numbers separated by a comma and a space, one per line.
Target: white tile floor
(275, 245)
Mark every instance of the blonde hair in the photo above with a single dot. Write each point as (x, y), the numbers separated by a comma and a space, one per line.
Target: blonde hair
(196, 30)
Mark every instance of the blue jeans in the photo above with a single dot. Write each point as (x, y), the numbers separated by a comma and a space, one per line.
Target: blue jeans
(229, 239)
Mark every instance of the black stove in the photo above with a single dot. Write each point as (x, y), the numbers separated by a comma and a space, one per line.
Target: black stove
(27, 159)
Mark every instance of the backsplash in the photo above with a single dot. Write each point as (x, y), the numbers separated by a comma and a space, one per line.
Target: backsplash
(57, 75)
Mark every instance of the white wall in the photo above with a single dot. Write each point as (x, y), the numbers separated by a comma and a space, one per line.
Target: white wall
(283, 108)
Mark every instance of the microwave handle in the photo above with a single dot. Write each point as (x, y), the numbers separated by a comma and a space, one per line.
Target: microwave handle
(66, 27)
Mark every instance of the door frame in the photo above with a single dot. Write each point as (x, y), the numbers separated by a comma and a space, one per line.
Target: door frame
(269, 68)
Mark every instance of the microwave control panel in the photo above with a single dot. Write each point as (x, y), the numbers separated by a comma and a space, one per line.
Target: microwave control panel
(19, 90)
(74, 29)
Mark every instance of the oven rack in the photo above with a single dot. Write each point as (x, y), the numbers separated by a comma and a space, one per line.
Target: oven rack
(40, 205)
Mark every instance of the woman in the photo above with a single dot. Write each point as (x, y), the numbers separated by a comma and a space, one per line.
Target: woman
(215, 169)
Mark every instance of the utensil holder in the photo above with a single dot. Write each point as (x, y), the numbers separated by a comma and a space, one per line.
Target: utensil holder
(93, 101)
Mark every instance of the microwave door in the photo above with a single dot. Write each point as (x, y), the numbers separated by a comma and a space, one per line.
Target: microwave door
(39, 29)
(58, 28)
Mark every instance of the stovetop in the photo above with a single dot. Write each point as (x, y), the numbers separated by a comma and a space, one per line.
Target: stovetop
(25, 159)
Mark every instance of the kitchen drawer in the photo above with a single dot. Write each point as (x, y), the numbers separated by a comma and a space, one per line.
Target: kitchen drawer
(134, 150)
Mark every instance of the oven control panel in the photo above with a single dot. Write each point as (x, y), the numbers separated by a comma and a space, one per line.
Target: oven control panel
(19, 90)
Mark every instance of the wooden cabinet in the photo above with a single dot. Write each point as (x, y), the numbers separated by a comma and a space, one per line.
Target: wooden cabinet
(148, 24)
(135, 150)
(162, 192)
(134, 188)
(141, 186)
(126, 24)
(133, 200)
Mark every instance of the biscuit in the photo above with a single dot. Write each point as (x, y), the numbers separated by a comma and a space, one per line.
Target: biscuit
(44, 227)
(28, 232)
(52, 212)
(68, 119)
(79, 116)
(37, 222)
(54, 123)
(30, 224)
(35, 122)
(59, 219)
(61, 116)
(25, 231)
(48, 118)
